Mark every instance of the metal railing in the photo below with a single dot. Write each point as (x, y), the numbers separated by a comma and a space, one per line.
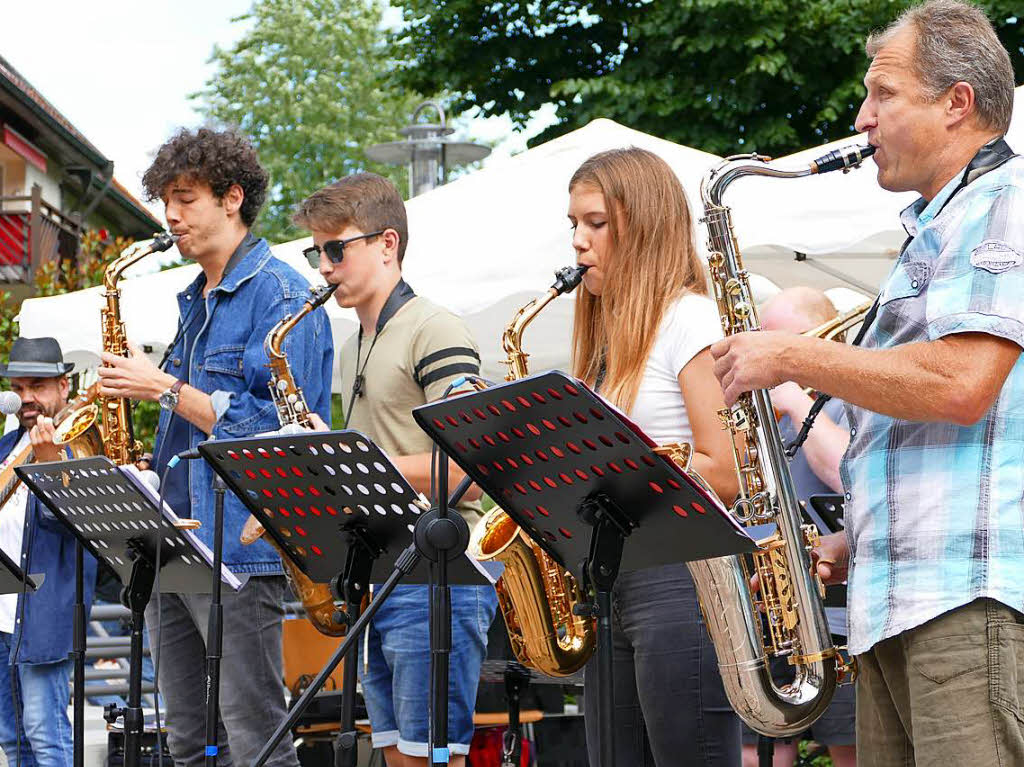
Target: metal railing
(33, 232)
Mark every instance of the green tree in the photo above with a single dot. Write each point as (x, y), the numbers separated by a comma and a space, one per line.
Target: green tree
(721, 75)
(305, 83)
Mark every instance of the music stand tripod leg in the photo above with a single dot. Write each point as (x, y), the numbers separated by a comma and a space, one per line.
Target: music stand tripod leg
(404, 565)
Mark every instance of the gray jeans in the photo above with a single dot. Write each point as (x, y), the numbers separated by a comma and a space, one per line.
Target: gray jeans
(251, 689)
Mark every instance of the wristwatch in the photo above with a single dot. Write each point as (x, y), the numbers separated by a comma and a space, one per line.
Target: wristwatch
(169, 399)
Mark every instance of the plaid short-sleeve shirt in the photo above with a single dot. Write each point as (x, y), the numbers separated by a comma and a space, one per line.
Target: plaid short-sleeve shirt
(935, 511)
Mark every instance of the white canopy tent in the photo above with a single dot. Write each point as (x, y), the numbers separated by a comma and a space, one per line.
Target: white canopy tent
(482, 246)
(489, 241)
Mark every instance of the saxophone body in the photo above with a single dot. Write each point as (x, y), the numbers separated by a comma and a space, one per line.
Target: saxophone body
(790, 596)
(536, 594)
(113, 414)
(293, 413)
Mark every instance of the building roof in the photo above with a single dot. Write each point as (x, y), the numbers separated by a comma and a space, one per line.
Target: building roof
(15, 84)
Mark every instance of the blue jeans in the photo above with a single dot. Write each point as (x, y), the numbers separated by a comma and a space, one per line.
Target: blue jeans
(396, 687)
(42, 694)
(670, 704)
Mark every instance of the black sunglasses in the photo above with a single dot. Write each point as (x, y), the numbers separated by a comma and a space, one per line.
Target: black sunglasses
(334, 249)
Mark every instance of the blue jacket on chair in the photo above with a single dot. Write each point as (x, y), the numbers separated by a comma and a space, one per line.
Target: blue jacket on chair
(44, 631)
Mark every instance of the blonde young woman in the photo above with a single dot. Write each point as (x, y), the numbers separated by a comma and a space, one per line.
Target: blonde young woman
(641, 334)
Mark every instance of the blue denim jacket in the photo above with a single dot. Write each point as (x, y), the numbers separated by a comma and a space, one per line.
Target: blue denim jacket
(228, 362)
(46, 631)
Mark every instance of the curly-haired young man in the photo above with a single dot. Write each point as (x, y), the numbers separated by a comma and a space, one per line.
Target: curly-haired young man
(214, 383)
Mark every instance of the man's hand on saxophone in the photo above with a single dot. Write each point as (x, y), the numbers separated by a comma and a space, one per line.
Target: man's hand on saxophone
(42, 436)
(753, 360)
(132, 377)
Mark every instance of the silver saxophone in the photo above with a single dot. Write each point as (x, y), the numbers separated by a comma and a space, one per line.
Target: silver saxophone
(790, 595)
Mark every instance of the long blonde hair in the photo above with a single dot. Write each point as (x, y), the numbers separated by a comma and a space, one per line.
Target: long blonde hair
(653, 261)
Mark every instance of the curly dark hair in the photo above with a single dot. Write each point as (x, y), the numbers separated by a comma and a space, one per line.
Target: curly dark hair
(217, 158)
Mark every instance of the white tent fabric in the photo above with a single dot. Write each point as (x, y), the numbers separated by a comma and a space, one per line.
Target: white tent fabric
(488, 242)
(482, 246)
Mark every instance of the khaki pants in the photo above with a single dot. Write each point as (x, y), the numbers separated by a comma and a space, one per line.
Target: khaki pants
(947, 693)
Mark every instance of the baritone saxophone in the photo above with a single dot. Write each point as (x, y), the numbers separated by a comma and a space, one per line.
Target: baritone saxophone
(790, 596)
(293, 412)
(535, 593)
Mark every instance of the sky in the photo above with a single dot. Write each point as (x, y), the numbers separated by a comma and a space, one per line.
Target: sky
(121, 71)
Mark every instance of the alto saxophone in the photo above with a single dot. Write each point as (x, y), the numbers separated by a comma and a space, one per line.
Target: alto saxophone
(292, 412)
(535, 593)
(114, 414)
(790, 596)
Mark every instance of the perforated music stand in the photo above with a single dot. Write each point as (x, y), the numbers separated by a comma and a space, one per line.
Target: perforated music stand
(341, 511)
(114, 514)
(582, 481)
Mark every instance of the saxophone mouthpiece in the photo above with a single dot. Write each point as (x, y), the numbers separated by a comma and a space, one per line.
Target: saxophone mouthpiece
(163, 241)
(842, 159)
(568, 278)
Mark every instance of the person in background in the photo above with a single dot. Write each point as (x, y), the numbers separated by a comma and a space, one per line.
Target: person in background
(36, 628)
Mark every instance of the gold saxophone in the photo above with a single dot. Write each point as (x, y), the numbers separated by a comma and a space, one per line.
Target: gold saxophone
(109, 419)
(790, 596)
(535, 593)
(292, 411)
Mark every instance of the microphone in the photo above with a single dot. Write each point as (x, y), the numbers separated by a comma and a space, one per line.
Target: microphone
(10, 403)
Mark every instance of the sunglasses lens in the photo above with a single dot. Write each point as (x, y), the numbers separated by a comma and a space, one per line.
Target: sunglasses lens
(335, 250)
(312, 256)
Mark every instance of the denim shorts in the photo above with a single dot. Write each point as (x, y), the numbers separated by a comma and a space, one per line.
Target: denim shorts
(396, 679)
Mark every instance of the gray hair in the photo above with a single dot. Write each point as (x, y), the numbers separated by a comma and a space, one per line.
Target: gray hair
(956, 42)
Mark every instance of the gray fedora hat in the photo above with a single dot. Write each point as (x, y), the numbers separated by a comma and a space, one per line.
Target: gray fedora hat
(35, 358)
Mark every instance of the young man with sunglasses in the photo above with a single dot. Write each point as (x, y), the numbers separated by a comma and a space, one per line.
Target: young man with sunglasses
(215, 384)
(406, 353)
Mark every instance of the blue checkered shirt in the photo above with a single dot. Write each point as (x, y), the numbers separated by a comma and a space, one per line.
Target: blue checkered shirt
(934, 511)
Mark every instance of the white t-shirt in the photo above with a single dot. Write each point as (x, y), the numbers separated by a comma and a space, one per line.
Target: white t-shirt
(689, 326)
(12, 529)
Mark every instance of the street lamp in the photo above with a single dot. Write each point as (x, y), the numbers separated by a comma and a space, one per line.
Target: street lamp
(427, 151)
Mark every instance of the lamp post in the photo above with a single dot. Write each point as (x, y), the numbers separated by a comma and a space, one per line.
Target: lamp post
(427, 151)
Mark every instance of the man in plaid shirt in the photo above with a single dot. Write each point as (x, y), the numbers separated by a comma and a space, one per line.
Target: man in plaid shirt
(934, 474)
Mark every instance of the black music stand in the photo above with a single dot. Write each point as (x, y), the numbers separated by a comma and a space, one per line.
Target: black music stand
(114, 514)
(13, 579)
(341, 511)
(582, 480)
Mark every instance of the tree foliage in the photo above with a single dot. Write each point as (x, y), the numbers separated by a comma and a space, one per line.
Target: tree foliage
(720, 75)
(305, 83)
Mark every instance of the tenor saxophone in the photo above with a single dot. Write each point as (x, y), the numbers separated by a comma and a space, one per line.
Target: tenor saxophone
(535, 593)
(790, 595)
(114, 414)
(292, 412)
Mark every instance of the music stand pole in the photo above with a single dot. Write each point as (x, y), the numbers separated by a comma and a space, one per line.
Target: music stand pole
(135, 596)
(78, 652)
(215, 627)
(353, 585)
(765, 750)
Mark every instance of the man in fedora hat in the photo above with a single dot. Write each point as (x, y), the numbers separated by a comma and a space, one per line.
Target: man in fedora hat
(36, 629)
